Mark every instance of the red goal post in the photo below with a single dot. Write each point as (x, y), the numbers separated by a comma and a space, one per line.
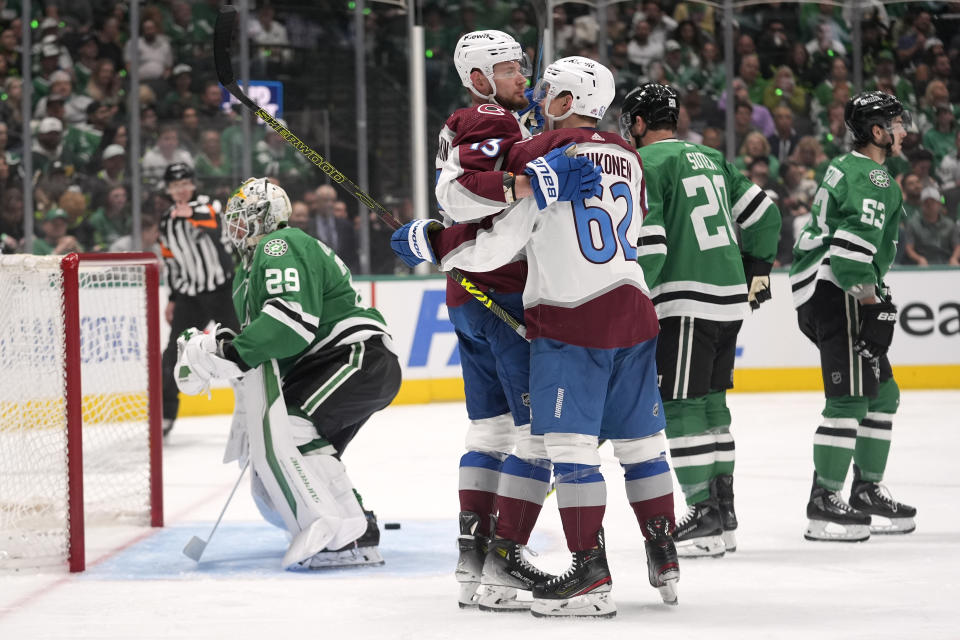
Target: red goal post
(80, 402)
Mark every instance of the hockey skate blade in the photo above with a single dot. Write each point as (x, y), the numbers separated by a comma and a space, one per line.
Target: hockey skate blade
(880, 525)
(194, 548)
(703, 547)
(467, 594)
(824, 531)
(729, 541)
(591, 605)
(668, 591)
(501, 599)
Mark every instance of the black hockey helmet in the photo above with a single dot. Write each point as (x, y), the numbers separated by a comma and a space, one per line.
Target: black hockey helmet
(177, 171)
(655, 103)
(870, 108)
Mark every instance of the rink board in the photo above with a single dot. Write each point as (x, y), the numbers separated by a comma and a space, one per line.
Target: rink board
(772, 354)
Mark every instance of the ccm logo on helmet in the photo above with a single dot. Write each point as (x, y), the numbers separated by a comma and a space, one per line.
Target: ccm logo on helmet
(492, 108)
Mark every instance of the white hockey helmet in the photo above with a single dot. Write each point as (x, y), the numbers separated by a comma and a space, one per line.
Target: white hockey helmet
(483, 49)
(256, 208)
(589, 82)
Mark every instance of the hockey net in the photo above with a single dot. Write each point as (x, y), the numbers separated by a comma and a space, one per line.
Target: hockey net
(80, 441)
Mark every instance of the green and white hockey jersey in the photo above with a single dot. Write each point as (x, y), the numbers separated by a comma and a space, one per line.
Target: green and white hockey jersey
(688, 244)
(851, 238)
(296, 298)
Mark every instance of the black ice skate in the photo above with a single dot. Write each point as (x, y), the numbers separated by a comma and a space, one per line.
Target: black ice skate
(699, 533)
(505, 572)
(583, 590)
(663, 568)
(721, 489)
(874, 499)
(362, 552)
(472, 549)
(833, 519)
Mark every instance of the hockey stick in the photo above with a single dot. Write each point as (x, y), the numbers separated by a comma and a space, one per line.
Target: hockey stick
(196, 546)
(222, 35)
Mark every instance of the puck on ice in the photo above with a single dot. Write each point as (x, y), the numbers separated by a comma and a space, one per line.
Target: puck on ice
(391, 525)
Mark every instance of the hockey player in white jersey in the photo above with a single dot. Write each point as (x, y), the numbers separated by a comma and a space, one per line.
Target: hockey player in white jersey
(593, 334)
(500, 474)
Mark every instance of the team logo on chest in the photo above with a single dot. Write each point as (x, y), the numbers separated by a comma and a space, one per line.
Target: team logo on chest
(880, 178)
(275, 248)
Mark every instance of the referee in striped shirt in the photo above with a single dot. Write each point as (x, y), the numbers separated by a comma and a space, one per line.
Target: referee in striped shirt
(199, 270)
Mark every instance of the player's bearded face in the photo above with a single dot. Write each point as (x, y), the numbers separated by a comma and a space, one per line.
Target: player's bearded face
(510, 82)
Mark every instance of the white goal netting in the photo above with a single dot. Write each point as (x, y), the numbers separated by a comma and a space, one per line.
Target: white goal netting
(34, 455)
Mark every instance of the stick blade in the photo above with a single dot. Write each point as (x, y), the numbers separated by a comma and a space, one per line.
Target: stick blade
(194, 548)
(222, 35)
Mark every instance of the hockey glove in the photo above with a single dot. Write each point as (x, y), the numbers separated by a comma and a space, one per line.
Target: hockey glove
(531, 116)
(557, 176)
(411, 242)
(208, 360)
(189, 380)
(876, 330)
(758, 280)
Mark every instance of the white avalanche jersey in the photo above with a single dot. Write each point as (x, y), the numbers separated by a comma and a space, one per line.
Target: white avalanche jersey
(584, 285)
(473, 144)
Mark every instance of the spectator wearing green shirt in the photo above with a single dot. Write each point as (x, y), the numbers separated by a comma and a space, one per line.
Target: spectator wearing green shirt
(912, 188)
(783, 90)
(273, 157)
(823, 95)
(900, 86)
(81, 141)
(940, 139)
(55, 240)
(86, 59)
(214, 169)
(112, 219)
(932, 238)
(182, 96)
(750, 74)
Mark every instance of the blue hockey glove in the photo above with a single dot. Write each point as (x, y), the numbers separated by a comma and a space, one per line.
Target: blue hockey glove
(557, 176)
(411, 242)
(531, 116)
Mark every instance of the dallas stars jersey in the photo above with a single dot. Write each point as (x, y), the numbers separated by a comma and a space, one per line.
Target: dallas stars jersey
(688, 245)
(295, 299)
(851, 238)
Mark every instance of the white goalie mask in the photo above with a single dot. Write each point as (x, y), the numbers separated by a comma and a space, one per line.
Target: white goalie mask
(257, 208)
(589, 82)
(483, 49)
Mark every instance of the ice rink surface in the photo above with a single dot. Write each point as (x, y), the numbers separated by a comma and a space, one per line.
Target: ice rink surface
(404, 462)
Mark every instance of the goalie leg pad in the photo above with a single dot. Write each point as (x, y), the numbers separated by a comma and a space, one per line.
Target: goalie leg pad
(310, 511)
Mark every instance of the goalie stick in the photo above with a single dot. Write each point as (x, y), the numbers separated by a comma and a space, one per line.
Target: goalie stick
(196, 546)
(222, 35)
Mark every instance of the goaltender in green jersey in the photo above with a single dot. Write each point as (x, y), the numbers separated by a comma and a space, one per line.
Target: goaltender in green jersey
(706, 246)
(840, 259)
(313, 364)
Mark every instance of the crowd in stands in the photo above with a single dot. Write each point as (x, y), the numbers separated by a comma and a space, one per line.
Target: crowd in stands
(793, 65)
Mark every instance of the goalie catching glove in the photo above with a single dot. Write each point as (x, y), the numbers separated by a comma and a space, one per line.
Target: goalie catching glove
(876, 330)
(757, 273)
(203, 356)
